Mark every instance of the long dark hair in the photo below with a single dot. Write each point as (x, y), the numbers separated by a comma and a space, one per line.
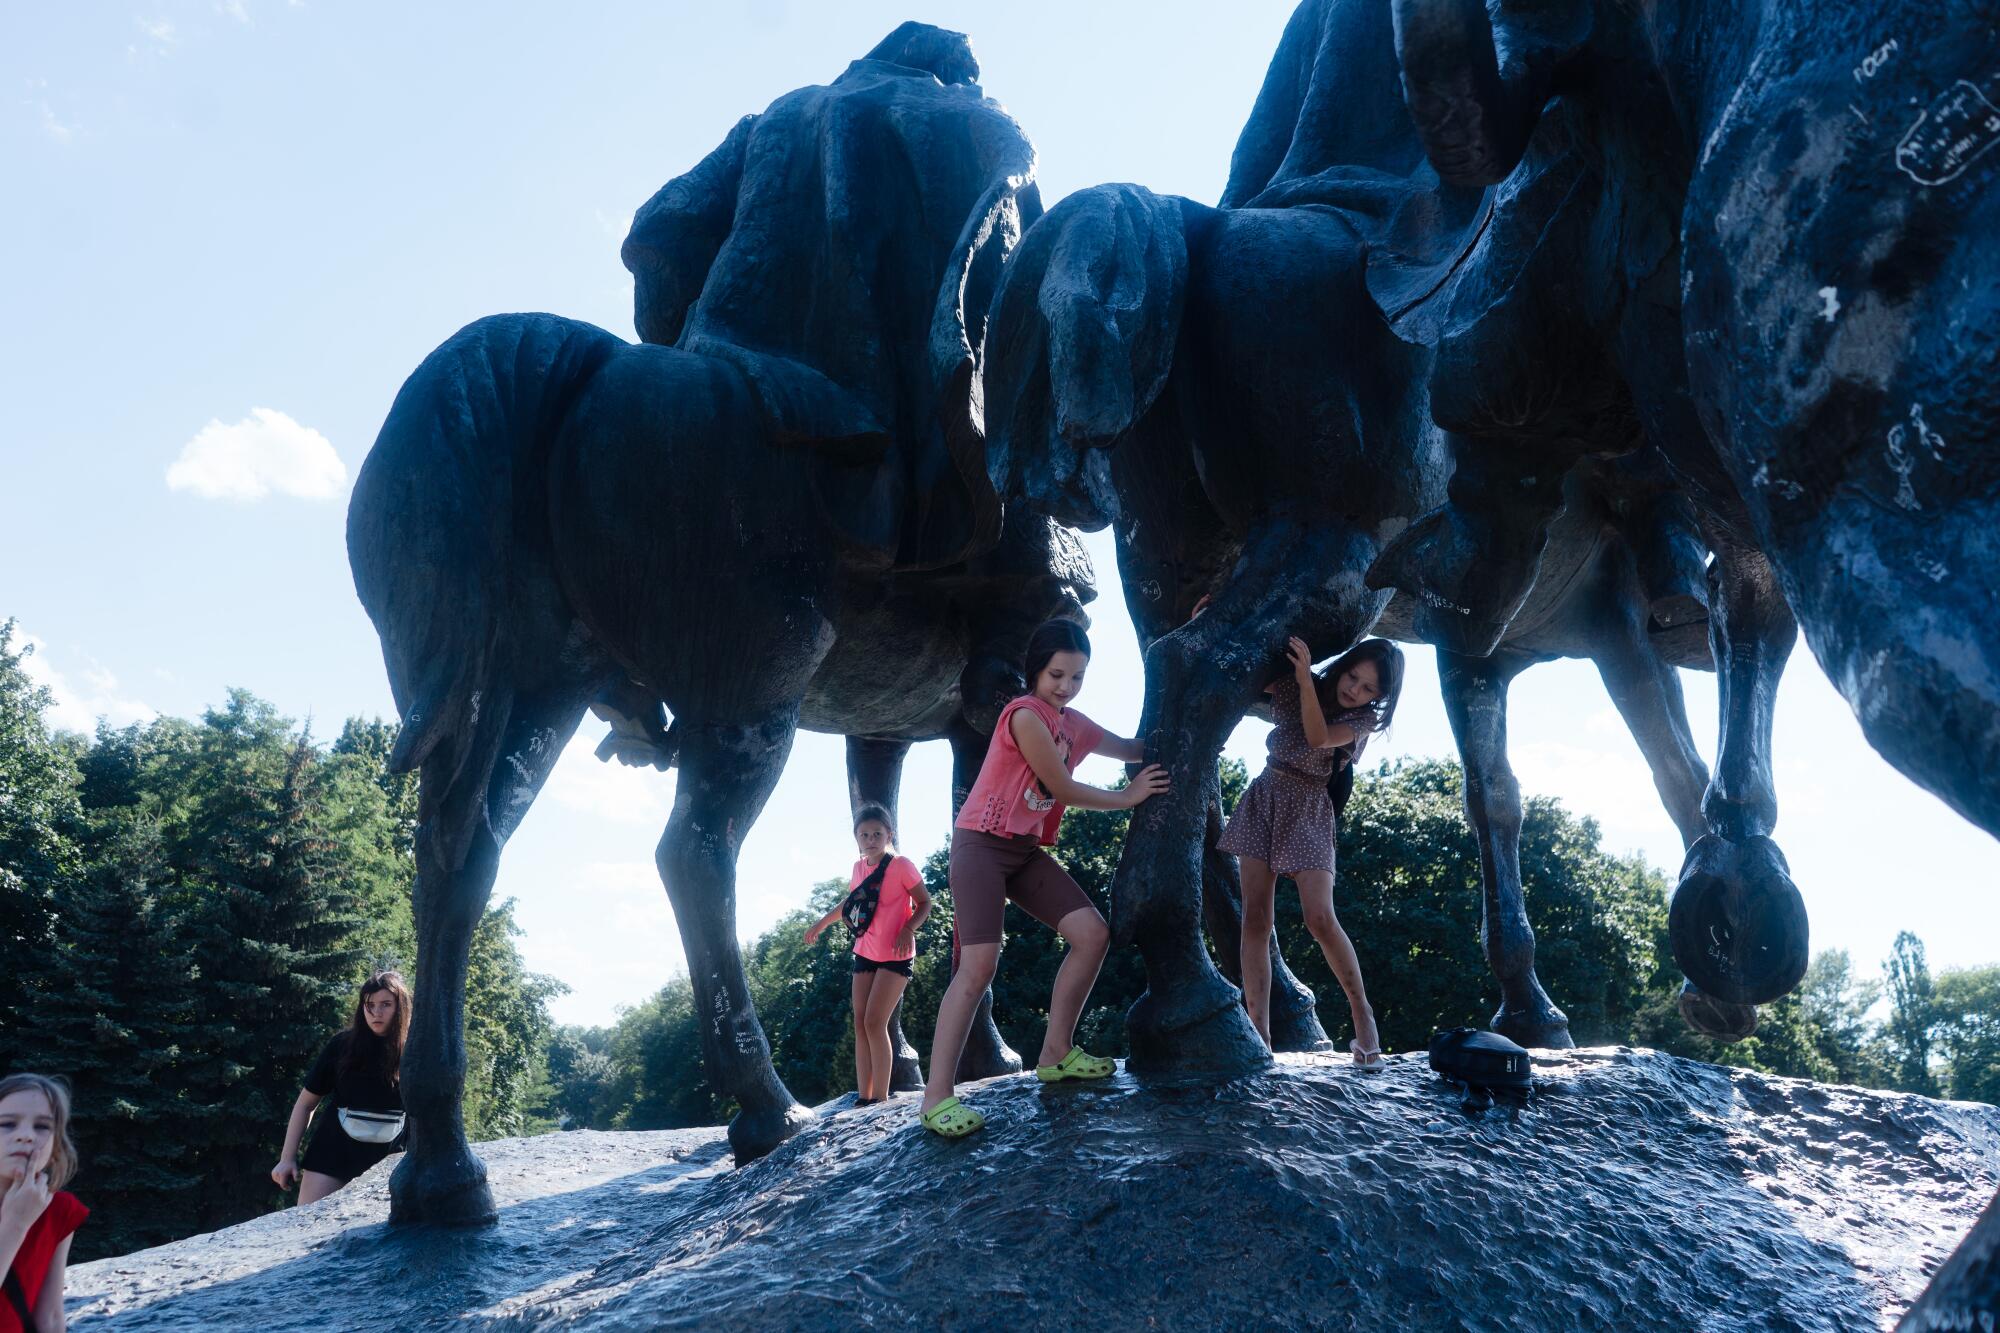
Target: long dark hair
(366, 1051)
(1388, 660)
(1052, 637)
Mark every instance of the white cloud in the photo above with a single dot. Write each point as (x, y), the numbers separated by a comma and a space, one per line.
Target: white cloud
(584, 783)
(264, 452)
(77, 708)
(160, 30)
(53, 126)
(233, 8)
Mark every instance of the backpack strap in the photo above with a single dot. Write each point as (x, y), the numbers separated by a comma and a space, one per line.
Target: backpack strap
(18, 1298)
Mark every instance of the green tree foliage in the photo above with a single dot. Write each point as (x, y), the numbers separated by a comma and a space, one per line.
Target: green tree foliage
(40, 829)
(507, 1033)
(582, 1091)
(1408, 894)
(186, 910)
(1912, 1015)
(276, 931)
(656, 1050)
(1836, 1007)
(118, 1018)
(1967, 1008)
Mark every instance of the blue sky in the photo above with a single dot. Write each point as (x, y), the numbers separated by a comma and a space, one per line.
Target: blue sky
(233, 228)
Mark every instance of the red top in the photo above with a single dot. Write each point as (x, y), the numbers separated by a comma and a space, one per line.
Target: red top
(892, 910)
(1007, 798)
(58, 1221)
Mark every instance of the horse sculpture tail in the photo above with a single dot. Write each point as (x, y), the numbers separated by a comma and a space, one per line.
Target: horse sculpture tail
(437, 524)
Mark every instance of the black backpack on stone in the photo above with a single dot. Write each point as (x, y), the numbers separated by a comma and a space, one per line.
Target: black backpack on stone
(1484, 1063)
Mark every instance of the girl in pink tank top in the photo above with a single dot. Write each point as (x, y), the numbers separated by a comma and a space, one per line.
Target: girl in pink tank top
(1014, 810)
(886, 902)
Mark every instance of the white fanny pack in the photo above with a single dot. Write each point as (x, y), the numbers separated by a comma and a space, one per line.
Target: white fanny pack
(371, 1126)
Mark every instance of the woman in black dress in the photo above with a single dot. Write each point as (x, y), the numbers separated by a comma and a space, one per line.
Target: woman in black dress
(358, 1073)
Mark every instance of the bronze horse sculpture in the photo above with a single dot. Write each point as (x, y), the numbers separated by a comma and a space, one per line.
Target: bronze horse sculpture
(782, 518)
(1227, 389)
(1806, 313)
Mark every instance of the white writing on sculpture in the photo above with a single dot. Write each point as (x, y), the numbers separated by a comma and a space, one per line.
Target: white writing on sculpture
(1953, 132)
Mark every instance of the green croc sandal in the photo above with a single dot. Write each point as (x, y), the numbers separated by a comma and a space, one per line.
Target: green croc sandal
(1079, 1063)
(952, 1119)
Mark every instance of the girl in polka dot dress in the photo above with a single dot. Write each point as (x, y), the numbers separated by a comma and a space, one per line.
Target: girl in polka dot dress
(1286, 822)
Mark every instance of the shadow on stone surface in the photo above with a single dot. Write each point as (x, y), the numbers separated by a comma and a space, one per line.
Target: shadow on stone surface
(1636, 1191)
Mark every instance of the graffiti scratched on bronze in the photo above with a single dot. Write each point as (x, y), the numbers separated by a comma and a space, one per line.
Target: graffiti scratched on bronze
(1955, 131)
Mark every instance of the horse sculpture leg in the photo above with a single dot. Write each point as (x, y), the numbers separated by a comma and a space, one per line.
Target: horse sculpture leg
(986, 1054)
(440, 1180)
(727, 773)
(1738, 924)
(875, 777)
(1647, 693)
(1475, 698)
(1290, 578)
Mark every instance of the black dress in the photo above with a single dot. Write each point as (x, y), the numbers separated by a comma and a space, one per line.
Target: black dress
(332, 1153)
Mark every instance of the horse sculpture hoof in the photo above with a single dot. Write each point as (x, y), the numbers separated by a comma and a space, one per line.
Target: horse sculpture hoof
(1201, 1030)
(1716, 1018)
(752, 1134)
(451, 1192)
(1299, 1031)
(1738, 924)
(1543, 1026)
(906, 1073)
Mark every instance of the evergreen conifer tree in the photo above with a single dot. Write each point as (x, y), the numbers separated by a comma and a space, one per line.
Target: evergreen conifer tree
(1912, 1015)
(276, 933)
(40, 824)
(115, 1017)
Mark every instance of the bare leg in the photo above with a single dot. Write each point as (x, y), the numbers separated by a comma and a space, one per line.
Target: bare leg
(976, 965)
(864, 1054)
(315, 1185)
(1475, 698)
(1316, 898)
(875, 776)
(727, 772)
(1089, 939)
(882, 1002)
(1290, 1006)
(1260, 889)
(984, 1052)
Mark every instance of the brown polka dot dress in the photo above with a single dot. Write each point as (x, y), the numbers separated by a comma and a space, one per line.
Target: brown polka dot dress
(1286, 819)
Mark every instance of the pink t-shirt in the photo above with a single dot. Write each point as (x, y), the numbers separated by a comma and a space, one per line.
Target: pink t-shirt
(1008, 799)
(892, 911)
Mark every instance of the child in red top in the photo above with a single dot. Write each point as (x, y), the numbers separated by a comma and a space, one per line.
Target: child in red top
(37, 1217)
(1014, 810)
(886, 902)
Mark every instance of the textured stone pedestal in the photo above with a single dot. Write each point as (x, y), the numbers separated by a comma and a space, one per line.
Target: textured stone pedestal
(1637, 1191)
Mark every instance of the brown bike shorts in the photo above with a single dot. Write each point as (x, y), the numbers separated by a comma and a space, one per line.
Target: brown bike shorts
(987, 870)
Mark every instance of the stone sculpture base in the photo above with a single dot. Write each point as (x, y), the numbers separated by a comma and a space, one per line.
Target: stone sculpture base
(1637, 1191)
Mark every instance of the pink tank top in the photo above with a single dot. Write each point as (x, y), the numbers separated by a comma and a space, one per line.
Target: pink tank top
(1008, 799)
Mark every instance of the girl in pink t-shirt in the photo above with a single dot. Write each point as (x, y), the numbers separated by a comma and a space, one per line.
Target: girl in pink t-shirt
(1014, 810)
(886, 902)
